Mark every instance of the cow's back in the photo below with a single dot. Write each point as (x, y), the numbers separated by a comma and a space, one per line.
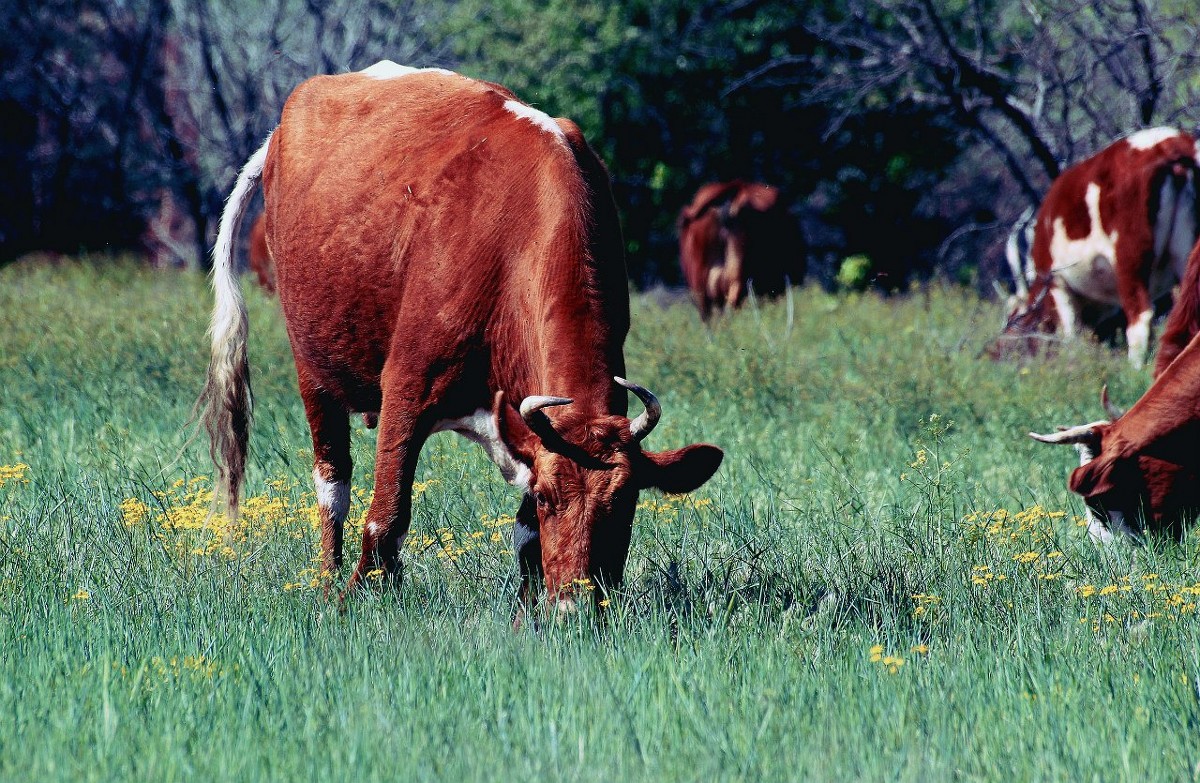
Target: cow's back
(401, 209)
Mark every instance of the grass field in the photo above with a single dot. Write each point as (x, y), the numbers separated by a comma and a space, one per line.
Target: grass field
(886, 580)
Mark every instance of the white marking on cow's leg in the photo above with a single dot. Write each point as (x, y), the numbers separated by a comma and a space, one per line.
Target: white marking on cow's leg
(1150, 137)
(1117, 524)
(333, 497)
(537, 117)
(1068, 317)
(1137, 334)
(480, 427)
(1097, 530)
(333, 506)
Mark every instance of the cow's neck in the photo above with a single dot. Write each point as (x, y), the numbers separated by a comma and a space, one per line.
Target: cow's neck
(571, 342)
(1171, 403)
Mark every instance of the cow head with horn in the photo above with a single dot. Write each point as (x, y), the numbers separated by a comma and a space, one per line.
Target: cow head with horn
(582, 475)
(1128, 487)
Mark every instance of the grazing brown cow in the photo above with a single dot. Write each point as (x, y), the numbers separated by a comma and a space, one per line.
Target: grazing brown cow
(1142, 464)
(450, 258)
(1114, 230)
(260, 257)
(734, 234)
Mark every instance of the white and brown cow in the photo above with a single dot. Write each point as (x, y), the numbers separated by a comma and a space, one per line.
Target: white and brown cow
(448, 257)
(1113, 231)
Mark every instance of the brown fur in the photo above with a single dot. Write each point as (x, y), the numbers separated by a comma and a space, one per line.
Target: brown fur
(260, 256)
(1184, 321)
(1145, 464)
(732, 233)
(435, 256)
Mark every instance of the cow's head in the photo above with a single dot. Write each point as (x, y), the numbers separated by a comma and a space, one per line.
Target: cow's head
(1127, 492)
(585, 473)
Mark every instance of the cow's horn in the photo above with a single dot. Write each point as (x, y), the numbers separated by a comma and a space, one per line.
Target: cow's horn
(1113, 411)
(642, 426)
(531, 405)
(1084, 433)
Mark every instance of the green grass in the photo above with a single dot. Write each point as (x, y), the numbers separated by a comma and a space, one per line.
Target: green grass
(741, 648)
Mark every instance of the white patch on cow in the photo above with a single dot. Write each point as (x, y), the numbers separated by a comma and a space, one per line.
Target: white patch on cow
(1137, 335)
(480, 427)
(537, 117)
(1068, 311)
(1086, 265)
(386, 69)
(1097, 530)
(1150, 137)
(333, 496)
(1104, 532)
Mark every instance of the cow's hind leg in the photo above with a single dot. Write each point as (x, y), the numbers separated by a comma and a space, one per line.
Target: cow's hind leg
(1134, 291)
(402, 431)
(329, 422)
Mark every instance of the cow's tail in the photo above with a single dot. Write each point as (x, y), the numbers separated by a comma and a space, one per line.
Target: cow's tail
(227, 403)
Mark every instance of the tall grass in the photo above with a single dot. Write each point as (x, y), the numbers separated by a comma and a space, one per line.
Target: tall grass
(886, 579)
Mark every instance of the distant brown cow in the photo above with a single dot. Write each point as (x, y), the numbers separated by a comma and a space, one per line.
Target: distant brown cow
(734, 234)
(260, 257)
(448, 257)
(1113, 230)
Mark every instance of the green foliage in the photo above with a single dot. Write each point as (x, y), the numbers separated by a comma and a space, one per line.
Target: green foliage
(883, 559)
(651, 84)
(854, 274)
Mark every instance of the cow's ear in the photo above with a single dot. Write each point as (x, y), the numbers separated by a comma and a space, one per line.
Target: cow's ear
(1093, 478)
(514, 433)
(680, 470)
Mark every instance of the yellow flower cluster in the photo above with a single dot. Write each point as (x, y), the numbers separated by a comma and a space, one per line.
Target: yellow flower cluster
(13, 474)
(1031, 532)
(891, 663)
(1174, 601)
(924, 602)
(670, 506)
(1029, 526)
(184, 521)
(195, 666)
(983, 576)
(168, 671)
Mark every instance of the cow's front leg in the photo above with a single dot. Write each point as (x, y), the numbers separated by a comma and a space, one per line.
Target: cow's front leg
(1067, 308)
(390, 514)
(1137, 336)
(528, 548)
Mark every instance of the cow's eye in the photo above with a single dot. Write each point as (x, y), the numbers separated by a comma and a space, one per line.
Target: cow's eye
(541, 499)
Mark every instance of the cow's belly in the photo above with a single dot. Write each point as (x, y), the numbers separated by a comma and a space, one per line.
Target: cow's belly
(1086, 265)
(1091, 277)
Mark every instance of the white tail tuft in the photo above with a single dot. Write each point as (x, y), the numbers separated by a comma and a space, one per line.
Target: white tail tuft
(227, 401)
